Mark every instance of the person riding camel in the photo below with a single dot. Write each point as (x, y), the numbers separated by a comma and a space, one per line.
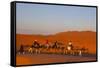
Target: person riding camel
(47, 43)
(70, 46)
(55, 44)
(21, 50)
(36, 44)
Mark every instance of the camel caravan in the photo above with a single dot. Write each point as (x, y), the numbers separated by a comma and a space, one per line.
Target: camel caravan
(52, 48)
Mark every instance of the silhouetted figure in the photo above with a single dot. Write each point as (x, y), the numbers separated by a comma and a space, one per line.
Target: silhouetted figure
(47, 44)
(55, 45)
(80, 52)
(21, 50)
(36, 44)
(70, 46)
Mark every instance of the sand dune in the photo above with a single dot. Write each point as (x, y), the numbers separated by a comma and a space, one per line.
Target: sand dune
(85, 39)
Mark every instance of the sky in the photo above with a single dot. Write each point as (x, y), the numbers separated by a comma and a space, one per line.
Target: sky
(51, 19)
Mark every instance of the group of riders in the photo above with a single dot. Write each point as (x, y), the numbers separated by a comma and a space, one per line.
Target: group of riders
(36, 47)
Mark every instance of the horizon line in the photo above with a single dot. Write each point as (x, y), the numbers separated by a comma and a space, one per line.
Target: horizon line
(53, 33)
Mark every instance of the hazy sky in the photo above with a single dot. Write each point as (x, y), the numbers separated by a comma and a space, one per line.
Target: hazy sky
(51, 19)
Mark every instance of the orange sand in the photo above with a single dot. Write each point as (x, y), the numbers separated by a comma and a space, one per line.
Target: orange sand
(49, 58)
(85, 39)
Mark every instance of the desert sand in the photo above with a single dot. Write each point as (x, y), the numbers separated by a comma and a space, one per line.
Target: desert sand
(86, 39)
